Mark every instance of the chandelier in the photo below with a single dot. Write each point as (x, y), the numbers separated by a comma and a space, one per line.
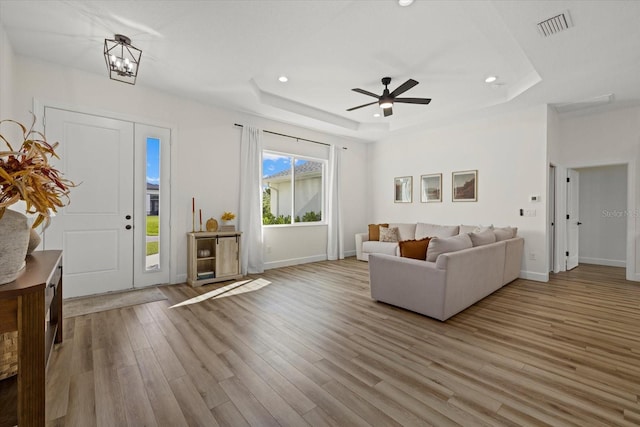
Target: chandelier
(122, 59)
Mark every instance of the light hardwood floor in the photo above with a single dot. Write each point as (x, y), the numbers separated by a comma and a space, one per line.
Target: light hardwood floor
(312, 348)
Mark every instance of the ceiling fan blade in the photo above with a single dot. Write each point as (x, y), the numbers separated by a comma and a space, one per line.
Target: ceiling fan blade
(387, 111)
(365, 92)
(413, 100)
(403, 87)
(364, 105)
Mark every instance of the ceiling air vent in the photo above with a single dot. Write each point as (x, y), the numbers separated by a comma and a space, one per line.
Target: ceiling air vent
(555, 24)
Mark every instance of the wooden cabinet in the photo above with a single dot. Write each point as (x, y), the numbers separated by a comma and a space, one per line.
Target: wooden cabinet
(31, 305)
(213, 257)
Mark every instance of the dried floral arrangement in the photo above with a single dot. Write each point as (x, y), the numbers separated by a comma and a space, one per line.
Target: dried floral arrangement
(227, 216)
(26, 174)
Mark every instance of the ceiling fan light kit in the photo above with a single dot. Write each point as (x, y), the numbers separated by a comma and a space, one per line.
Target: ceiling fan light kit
(122, 58)
(386, 100)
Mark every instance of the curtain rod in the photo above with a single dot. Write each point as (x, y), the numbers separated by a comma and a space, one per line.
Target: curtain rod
(294, 137)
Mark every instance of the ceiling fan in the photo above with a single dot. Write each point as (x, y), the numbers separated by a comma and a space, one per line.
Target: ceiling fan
(386, 100)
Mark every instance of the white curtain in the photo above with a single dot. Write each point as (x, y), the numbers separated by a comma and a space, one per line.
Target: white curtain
(250, 214)
(335, 243)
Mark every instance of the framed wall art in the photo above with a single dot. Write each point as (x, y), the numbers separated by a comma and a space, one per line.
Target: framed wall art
(465, 186)
(403, 189)
(431, 188)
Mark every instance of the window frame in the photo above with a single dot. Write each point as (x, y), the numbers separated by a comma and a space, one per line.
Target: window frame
(323, 188)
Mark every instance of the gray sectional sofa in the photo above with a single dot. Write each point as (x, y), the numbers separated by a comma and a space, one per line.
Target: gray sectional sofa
(452, 280)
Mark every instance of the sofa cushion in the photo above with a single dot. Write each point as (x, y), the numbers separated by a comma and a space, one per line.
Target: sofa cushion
(406, 231)
(374, 231)
(389, 234)
(505, 233)
(434, 230)
(416, 249)
(388, 248)
(474, 228)
(441, 245)
(482, 237)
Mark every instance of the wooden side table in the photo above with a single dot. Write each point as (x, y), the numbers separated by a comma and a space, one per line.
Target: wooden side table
(23, 305)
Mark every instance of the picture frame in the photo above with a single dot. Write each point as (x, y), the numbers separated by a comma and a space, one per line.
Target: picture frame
(403, 189)
(464, 186)
(431, 188)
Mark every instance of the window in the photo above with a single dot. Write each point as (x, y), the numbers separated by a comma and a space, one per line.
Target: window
(292, 189)
(153, 204)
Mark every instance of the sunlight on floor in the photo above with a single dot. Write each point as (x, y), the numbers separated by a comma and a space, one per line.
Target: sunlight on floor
(235, 288)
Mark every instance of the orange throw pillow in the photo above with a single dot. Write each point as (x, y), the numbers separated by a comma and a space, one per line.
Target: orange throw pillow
(374, 231)
(416, 249)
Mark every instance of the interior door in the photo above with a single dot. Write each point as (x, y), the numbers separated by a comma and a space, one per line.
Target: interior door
(573, 221)
(95, 230)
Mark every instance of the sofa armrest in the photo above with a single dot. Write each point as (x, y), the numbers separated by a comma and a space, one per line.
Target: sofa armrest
(513, 259)
(360, 238)
(409, 283)
(472, 274)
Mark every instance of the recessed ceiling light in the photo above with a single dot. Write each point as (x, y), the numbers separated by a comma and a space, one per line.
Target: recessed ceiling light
(283, 79)
(376, 115)
(491, 79)
(405, 3)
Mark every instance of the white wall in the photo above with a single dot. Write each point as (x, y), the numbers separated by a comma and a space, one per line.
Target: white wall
(6, 77)
(603, 214)
(608, 138)
(509, 151)
(207, 156)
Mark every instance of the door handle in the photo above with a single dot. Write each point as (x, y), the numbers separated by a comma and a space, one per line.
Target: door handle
(579, 223)
(128, 227)
(127, 217)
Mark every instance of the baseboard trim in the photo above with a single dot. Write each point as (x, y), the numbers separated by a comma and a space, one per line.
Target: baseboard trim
(294, 261)
(602, 261)
(538, 277)
(302, 260)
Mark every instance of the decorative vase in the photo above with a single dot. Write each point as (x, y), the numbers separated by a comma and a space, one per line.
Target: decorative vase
(14, 239)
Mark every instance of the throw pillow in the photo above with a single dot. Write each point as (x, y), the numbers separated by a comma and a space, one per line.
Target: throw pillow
(442, 245)
(416, 249)
(482, 237)
(505, 233)
(374, 231)
(388, 234)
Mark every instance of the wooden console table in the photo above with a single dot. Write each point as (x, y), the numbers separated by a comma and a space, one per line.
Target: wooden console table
(23, 305)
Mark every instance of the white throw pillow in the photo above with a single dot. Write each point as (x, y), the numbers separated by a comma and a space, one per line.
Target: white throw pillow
(482, 237)
(505, 233)
(442, 245)
(388, 234)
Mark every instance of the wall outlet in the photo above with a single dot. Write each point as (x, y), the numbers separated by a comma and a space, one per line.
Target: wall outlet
(530, 212)
(532, 256)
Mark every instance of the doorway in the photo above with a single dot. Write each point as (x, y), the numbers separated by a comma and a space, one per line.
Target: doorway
(105, 231)
(603, 215)
(552, 218)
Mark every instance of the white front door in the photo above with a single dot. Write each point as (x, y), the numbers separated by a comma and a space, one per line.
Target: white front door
(573, 219)
(95, 230)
